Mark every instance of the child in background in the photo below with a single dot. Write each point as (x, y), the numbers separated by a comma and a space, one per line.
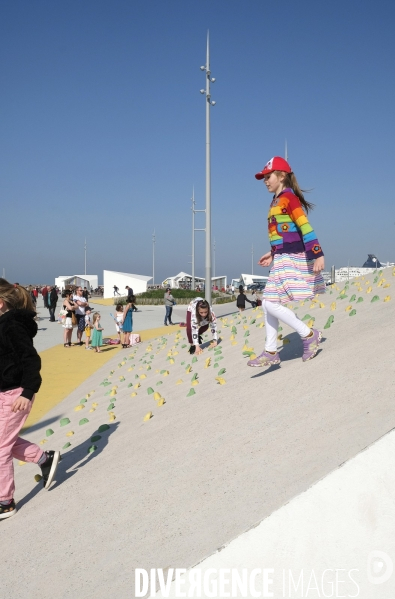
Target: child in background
(97, 334)
(297, 261)
(19, 382)
(242, 299)
(118, 320)
(200, 317)
(88, 326)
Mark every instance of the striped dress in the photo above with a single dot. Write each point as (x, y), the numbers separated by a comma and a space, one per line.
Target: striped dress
(294, 247)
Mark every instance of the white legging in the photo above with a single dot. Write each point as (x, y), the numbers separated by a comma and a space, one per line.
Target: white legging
(273, 313)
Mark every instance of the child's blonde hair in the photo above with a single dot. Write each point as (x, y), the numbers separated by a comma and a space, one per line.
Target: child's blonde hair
(15, 296)
(95, 317)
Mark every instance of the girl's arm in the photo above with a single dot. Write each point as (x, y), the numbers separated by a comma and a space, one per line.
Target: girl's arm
(28, 357)
(214, 329)
(299, 217)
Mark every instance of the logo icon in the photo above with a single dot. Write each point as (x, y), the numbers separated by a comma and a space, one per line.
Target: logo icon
(380, 567)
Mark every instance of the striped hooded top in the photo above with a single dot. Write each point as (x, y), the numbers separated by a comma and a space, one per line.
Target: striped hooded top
(289, 229)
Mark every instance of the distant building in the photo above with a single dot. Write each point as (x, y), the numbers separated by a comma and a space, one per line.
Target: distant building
(120, 279)
(184, 281)
(88, 281)
(249, 280)
(351, 272)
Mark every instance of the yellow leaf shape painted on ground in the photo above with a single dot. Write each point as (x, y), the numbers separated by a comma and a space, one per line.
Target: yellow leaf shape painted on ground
(333, 306)
(95, 404)
(386, 286)
(369, 289)
(133, 394)
(92, 410)
(21, 463)
(310, 323)
(137, 385)
(165, 373)
(147, 416)
(179, 382)
(79, 407)
(161, 402)
(157, 395)
(220, 380)
(70, 434)
(207, 362)
(348, 308)
(234, 343)
(322, 305)
(194, 383)
(387, 298)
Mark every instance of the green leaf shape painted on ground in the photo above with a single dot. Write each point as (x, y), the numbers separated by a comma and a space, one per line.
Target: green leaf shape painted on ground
(183, 346)
(66, 445)
(83, 421)
(216, 365)
(191, 392)
(234, 330)
(91, 449)
(329, 321)
(342, 297)
(84, 400)
(359, 300)
(150, 390)
(103, 427)
(49, 432)
(353, 298)
(159, 383)
(95, 438)
(352, 313)
(222, 371)
(130, 385)
(375, 298)
(64, 421)
(280, 329)
(247, 353)
(194, 377)
(111, 407)
(306, 317)
(253, 321)
(247, 334)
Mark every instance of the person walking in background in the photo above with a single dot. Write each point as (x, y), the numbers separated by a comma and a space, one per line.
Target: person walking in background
(85, 294)
(242, 299)
(44, 293)
(80, 303)
(52, 298)
(169, 303)
(297, 259)
(20, 380)
(116, 290)
(200, 317)
(97, 333)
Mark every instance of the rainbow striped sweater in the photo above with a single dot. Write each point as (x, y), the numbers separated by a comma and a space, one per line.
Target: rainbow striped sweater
(289, 229)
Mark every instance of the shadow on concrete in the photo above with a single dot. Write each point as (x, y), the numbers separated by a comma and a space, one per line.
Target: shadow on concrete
(78, 457)
(40, 424)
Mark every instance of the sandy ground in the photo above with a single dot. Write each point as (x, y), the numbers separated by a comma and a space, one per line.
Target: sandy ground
(206, 467)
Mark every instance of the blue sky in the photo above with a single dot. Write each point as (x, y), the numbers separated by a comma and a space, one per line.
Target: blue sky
(102, 131)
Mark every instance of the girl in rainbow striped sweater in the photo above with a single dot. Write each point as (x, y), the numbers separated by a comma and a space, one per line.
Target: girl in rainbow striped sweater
(297, 261)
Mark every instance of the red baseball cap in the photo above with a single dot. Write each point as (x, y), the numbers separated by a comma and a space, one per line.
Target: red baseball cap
(275, 164)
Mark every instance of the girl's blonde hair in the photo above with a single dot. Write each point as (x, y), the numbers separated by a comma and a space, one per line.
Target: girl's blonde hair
(95, 317)
(15, 296)
(291, 181)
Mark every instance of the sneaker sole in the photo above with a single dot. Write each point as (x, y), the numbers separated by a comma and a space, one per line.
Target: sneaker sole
(316, 351)
(271, 363)
(55, 463)
(8, 514)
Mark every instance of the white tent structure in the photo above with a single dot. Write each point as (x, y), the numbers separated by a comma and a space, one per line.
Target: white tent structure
(88, 281)
(184, 280)
(250, 279)
(110, 278)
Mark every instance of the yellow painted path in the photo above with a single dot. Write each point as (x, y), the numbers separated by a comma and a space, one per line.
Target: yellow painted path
(64, 369)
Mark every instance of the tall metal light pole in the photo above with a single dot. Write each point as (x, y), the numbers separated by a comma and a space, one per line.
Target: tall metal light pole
(214, 259)
(85, 255)
(209, 103)
(252, 259)
(286, 151)
(153, 257)
(193, 237)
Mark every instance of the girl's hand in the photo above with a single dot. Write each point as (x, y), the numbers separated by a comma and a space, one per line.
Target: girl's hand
(198, 350)
(319, 264)
(20, 405)
(213, 343)
(266, 259)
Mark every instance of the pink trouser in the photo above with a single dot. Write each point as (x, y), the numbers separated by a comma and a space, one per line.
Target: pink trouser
(12, 446)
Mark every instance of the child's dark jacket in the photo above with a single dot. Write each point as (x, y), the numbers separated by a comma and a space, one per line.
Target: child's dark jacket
(19, 361)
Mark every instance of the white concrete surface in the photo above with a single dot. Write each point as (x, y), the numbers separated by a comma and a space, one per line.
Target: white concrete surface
(335, 540)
